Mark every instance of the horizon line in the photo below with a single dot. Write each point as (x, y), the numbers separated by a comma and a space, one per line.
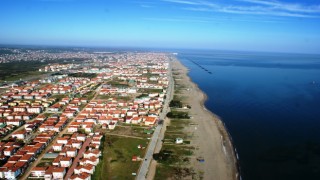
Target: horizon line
(122, 47)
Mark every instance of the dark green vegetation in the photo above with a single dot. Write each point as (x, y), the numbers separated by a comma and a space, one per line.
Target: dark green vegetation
(118, 83)
(131, 130)
(6, 51)
(86, 75)
(45, 162)
(173, 163)
(173, 154)
(126, 98)
(89, 95)
(175, 104)
(15, 70)
(58, 97)
(175, 173)
(174, 159)
(142, 95)
(176, 130)
(178, 114)
(116, 161)
(150, 91)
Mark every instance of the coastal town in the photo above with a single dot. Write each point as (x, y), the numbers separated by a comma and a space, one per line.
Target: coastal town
(159, 90)
(84, 114)
(54, 127)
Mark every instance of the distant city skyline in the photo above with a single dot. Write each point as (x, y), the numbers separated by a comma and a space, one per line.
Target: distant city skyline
(250, 25)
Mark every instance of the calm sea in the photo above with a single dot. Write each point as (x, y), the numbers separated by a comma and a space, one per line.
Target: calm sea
(270, 103)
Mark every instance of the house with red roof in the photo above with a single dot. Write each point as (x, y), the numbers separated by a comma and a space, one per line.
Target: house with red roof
(21, 134)
(58, 172)
(150, 121)
(92, 160)
(88, 168)
(81, 176)
(92, 153)
(57, 147)
(38, 172)
(12, 172)
(136, 120)
(66, 161)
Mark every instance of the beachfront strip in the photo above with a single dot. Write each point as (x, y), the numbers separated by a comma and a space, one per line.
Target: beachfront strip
(53, 128)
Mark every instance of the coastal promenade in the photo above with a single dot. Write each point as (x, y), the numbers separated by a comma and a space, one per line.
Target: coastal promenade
(144, 168)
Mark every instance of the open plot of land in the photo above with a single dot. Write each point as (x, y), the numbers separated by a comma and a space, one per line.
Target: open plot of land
(116, 161)
(176, 130)
(15, 70)
(173, 159)
(134, 131)
(173, 162)
(45, 162)
(105, 97)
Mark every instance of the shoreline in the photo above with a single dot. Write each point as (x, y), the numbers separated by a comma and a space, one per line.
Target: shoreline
(223, 128)
(230, 157)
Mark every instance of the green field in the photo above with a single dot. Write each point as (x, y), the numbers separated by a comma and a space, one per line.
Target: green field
(16, 70)
(85, 75)
(116, 158)
(105, 97)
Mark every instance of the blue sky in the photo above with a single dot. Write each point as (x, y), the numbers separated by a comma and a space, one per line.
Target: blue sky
(253, 25)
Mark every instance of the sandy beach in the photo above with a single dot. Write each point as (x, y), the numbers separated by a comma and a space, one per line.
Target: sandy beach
(210, 137)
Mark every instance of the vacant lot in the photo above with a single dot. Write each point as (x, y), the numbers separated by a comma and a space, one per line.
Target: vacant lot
(116, 161)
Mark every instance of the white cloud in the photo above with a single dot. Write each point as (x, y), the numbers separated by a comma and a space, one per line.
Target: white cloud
(178, 20)
(255, 7)
(212, 19)
(182, 2)
(294, 7)
(146, 6)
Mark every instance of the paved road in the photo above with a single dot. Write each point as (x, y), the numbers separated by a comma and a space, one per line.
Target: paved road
(155, 137)
(76, 160)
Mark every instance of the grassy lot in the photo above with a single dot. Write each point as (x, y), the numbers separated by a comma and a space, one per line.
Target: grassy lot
(179, 122)
(86, 75)
(163, 172)
(174, 159)
(105, 97)
(176, 129)
(58, 96)
(173, 163)
(115, 82)
(116, 161)
(179, 150)
(89, 95)
(178, 114)
(148, 91)
(136, 131)
(25, 69)
(23, 75)
(47, 114)
(15, 70)
(45, 162)
(82, 106)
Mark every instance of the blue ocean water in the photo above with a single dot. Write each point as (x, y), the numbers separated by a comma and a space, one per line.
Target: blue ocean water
(270, 104)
